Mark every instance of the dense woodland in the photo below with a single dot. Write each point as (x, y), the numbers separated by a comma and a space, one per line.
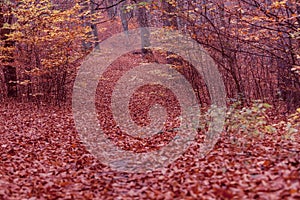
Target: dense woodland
(255, 45)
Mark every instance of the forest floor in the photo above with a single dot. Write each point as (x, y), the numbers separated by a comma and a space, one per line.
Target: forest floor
(42, 157)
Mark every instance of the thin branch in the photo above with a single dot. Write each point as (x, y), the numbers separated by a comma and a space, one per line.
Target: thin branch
(106, 7)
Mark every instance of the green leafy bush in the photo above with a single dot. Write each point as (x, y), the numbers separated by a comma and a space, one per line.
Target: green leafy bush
(252, 120)
(255, 121)
(291, 126)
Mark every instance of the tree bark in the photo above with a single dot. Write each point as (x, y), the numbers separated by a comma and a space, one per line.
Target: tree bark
(94, 27)
(145, 34)
(124, 17)
(10, 74)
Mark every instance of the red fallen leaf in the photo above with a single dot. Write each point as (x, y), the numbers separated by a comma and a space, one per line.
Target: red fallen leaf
(294, 175)
(275, 186)
(194, 191)
(66, 183)
(293, 191)
(168, 195)
(223, 193)
(211, 159)
(267, 163)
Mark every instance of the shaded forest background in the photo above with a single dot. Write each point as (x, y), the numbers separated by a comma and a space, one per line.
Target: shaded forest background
(255, 43)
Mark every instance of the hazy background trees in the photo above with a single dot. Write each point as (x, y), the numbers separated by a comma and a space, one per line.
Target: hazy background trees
(255, 43)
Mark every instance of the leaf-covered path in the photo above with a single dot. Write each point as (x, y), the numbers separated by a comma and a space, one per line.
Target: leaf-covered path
(42, 158)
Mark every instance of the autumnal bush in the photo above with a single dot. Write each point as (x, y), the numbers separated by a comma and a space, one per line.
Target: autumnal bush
(291, 126)
(253, 120)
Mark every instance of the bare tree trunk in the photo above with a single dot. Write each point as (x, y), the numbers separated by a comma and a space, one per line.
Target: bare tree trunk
(112, 10)
(85, 7)
(124, 17)
(94, 27)
(145, 34)
(143, 22)
(170, 21)
(10, 74)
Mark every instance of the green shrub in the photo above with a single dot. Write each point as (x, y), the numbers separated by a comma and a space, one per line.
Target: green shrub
(291, 126)
(252, 120)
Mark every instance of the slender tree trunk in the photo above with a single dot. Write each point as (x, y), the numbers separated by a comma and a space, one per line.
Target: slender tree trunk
(170, 21)
(94, 27)
(10, 74)
(124, 17)
(143, 22)
(85, 7)
(111, 11)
